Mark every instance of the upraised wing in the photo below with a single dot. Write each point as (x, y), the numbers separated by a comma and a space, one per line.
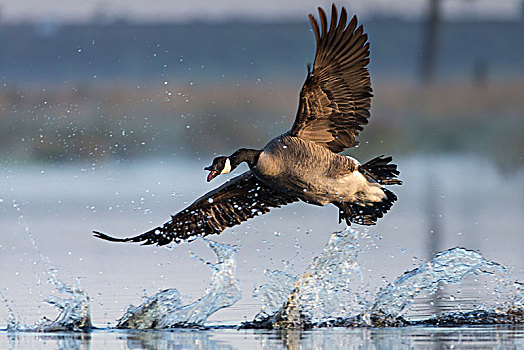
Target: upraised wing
(239, 199)
(336, 96)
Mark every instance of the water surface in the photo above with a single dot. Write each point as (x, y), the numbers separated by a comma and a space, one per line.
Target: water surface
(501, 337)
(48, 213)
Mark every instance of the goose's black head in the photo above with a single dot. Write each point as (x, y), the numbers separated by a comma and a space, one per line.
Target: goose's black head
(221, 165)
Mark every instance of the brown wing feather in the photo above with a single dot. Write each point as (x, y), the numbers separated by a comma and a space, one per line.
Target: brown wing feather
(232, 203)
(336, 96)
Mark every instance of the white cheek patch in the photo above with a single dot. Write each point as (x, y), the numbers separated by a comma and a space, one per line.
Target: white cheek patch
(227, 167)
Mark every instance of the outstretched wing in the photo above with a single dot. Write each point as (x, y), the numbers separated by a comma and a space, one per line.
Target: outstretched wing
(336, 96)
(238, 200)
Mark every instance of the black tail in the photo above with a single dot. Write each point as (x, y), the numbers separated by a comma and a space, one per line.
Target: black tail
(381, 170)
(365, 213)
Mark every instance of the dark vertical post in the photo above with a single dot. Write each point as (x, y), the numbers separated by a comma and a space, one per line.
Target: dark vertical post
(430, 49)
(480, 73)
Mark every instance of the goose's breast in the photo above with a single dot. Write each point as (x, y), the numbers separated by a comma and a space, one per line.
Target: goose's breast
(269, 165)
(291, 165)
(309, 171)
(278, 165)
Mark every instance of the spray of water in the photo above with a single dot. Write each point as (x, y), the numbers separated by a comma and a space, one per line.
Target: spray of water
(329, 293)
(329, 289)
(74, 313)
(448, 267)
(273, 294)
(164, 309)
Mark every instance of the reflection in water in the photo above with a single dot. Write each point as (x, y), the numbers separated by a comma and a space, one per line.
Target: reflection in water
(413, 337)
(180, 339)
(389, 338)
(60, 341)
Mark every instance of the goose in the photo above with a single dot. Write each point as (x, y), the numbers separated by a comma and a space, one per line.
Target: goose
(304, 163)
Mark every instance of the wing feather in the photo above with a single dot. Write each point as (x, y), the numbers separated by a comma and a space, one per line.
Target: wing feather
(336, 96)
(236, 201)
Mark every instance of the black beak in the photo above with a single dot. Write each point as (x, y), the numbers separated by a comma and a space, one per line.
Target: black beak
(209, 168)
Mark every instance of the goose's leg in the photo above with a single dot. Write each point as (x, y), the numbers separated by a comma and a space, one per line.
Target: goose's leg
(344, 213)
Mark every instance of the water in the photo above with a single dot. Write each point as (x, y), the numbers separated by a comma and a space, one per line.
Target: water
(165, 310)
(449, 267)
(326, 295)
(353, 278)
(500, 337)
(323, 296)
(326, 291)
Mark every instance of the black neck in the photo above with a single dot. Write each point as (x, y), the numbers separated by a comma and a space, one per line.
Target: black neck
(250, 156)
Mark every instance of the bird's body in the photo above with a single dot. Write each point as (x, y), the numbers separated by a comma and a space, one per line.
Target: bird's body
(303, 163)
(312, 173)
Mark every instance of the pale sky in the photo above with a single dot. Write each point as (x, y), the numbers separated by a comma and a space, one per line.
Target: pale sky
(219, 10)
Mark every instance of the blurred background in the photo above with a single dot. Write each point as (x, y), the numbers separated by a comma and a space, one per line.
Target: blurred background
(109, 110)
(118, 80)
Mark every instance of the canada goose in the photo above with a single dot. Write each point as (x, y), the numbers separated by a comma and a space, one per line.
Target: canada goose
(303, 163)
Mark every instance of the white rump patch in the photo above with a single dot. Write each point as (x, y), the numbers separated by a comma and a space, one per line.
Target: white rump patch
(227, 167)
(356, 182)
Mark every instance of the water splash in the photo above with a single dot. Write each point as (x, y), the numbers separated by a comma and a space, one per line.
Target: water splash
(164, 309)
(74, 311)
(328, 289)
(12, 322)
(331, 292)
(518, 302)
(450, 266)
(152, 310)
(273, 294)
